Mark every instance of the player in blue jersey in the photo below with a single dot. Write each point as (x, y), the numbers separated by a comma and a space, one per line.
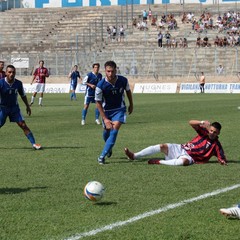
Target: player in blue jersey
(74, 75)
(110, 102)
(91, 81)
(9, 90)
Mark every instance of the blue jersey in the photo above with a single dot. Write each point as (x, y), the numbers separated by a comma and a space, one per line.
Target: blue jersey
(9, 93)
(112, 96)
(92, 79)
(74, 77)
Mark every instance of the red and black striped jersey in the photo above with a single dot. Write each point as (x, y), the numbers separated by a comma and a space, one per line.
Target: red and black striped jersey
(202, 148)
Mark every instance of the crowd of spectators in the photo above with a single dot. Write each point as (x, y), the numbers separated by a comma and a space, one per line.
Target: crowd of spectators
(116, 34)
(225, 27)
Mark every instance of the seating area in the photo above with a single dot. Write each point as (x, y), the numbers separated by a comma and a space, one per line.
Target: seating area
(67, 36)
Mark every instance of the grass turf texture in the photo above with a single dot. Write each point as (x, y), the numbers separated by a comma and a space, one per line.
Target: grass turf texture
(41, 192)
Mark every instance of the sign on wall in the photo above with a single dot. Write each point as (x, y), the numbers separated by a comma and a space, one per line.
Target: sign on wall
(20, 62)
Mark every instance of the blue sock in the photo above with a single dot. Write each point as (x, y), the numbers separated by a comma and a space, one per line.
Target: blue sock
(31, 138)
(74, 95)
(71, 96)
(110, 142)
(84, 114)
(97, 113)
(106, 134)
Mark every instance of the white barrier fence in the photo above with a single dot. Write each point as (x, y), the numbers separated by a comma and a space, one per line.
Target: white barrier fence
(149, 88)
(155, 88)
(210, 88)
(55, 88)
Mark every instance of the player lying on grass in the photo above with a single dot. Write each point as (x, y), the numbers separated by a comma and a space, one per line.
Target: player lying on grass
(9, 90)
(199, 150)
(233, 212)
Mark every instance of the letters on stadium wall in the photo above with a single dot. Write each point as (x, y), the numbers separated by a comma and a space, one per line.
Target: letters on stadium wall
(82, 3)
(210, 88)
(55, 88)
(155, 88)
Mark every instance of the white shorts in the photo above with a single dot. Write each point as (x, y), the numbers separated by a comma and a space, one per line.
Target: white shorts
(39, 87)
(175, 151)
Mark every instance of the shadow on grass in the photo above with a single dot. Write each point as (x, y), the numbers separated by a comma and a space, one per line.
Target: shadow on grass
(105, 203)
(49, 147)
(18, 190)
(112, 160)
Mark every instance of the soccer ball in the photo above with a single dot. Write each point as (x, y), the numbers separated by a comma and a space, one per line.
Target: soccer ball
(94, 191)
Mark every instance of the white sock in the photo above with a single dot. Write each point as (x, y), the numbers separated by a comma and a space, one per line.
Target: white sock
(172, 162)
(32, 99)
(148, 151)
(40, 101)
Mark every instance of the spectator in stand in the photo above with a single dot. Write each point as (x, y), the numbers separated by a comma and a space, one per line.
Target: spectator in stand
(198, 42)
(109, 32)
(160, 38)
(150, 14)
(185, 43)
(160, 25)
(144, 26)
(121, 33)
(220, 70)
(180, 44)
(184, 17)
(168, 39)
(225, 41)
(144, 15)
(134, 22)
(238, 40)
(190, 16)
(174, 43)
(205, 42)
(217, 42)
(154, 21)
(2, 73)
(114, 33)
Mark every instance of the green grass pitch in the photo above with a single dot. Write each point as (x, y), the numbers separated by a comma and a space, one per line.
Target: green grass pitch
(41, 192)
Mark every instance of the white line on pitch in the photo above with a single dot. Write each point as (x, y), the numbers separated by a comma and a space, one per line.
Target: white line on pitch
(151, 213)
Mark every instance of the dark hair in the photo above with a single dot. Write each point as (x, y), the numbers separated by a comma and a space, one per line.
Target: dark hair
(96, 64)
(76, 66)
(110, 64)
(217, 125)
(10, 66)
(41, 61)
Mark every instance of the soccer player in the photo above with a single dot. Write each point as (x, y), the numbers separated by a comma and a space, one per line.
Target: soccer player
(39, 76)
(199, 150)
(202, 82)
(110, 102)
(9, 90)
(74, 75)
(91, 80)
(233, 212)
(2, 73)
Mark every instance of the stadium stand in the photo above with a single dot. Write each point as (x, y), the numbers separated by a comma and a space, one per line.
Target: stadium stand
(67, 36)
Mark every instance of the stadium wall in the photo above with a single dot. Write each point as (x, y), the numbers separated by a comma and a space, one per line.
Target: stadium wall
(84, 3)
